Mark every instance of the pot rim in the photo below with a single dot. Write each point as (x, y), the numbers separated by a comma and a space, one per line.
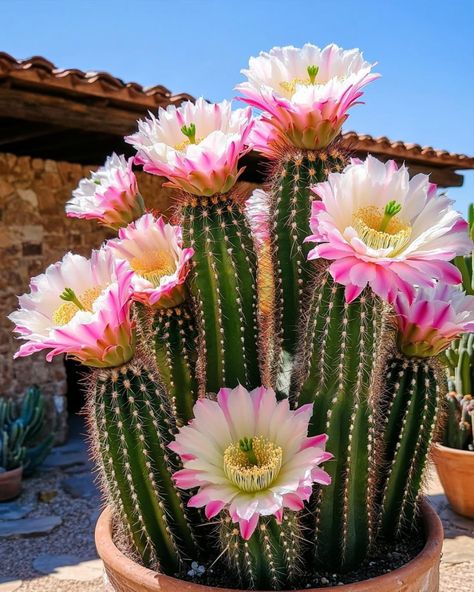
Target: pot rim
(455, 451)
(14, 472)
(112, 556)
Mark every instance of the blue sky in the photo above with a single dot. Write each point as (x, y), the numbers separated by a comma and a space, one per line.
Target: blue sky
(424, 50)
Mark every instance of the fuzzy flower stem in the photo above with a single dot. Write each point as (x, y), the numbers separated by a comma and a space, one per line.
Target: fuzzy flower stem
(312, 73)
(190, 132)
(70, 296)
(391, 209)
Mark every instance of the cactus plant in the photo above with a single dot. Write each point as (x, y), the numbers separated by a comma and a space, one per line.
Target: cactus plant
(230, 359)
(290, 207)
(223, 285)
(132, 425)
(459, 426)
(414, 391)
(336, 370)
(23, 442)
(458, 432)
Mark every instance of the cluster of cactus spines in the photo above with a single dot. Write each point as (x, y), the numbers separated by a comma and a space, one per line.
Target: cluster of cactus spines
(271, 558)
(224, 288)
(132, 424)
(290, 208)
(336, 368)
(174, 339)
(410, 414)
(20, 431)
(459, 426)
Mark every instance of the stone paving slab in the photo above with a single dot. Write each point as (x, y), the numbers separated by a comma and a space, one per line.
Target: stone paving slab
(14, 511)
(27, 527)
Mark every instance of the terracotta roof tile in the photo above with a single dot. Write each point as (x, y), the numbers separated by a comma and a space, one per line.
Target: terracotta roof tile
(408, 151)
(41, 73)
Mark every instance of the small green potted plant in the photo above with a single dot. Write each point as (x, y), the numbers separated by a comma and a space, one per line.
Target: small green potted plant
(22, 444)
(454, 457)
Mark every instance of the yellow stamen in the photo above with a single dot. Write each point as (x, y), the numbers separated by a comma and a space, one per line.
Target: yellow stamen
(153, 265)
(65, 313)
(248, 476)
(290, 86)
(183, 145)
(368, 222)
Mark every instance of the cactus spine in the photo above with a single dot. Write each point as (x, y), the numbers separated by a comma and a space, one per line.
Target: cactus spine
(413, 394)
(336, 369)
(270, 559)
(175, 346)
(223, 284)
(290, 209)
(132, 426)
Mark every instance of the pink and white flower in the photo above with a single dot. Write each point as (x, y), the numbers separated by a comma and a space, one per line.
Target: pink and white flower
(436, 316)
(249, 454)
(195, 146)
(257, 211)
(110, 195)
(154, 251)
(79, 307)
(381, 228)
(305, 93)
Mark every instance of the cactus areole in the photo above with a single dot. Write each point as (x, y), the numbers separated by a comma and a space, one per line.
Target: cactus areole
(264, 374)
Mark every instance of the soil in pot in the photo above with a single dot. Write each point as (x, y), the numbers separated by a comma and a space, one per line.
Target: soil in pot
(10, 484)
(384, 559)
(387, 557)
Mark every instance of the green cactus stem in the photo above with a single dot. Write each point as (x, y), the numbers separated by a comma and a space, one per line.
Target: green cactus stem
(410, 411)
(337, 369)
(290, 209)
(175, 353)
(132, 426)
(458, 428)
(271, 559)
(223, 285)
(460, 358)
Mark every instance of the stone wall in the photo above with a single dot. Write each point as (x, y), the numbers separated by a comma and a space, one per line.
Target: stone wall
(35, 232)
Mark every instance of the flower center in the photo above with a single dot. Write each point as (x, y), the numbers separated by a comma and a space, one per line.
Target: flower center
(190, 132)
(381, 229)
(153, 265)
(66, 311)
(290, 86)
(252, 464)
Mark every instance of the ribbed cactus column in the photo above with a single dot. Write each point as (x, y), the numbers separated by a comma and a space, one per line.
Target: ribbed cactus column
(336, 369)
(290, 209)
(223, 284)
(413, 395)
(175, 353)
(132, 427)
(460, 358)
(270, 559)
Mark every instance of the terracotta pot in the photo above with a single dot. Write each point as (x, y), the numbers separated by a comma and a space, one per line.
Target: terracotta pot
(422, 573)
(10, 484)
(456, 473)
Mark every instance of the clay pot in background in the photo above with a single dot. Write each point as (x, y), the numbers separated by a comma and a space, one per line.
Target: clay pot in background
(456, 473)
(421, 573)
(10, 484)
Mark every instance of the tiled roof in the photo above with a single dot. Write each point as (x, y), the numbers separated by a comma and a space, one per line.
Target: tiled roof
(410, 152)
(42, 74)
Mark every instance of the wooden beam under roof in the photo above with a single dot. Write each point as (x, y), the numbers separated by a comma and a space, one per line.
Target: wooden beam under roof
(67, 112)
